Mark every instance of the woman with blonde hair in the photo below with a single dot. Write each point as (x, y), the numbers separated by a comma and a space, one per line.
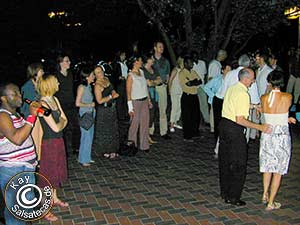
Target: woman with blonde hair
(175, 92)
(106, 137)
(53, 164)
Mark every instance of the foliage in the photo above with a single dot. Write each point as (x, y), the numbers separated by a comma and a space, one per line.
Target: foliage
(215, 23)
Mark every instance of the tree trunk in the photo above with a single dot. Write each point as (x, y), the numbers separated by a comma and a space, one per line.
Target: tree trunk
(168, 43)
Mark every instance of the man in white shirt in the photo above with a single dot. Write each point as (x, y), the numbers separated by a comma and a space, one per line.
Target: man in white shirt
(215, 67)
(262, 73)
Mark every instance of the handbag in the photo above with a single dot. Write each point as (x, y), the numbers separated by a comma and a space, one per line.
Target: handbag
(87, 120)
(128, 149)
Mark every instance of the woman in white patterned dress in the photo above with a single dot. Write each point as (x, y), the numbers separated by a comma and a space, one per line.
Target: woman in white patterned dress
(275, 148)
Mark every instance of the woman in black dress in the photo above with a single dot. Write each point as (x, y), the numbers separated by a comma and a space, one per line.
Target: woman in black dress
(106, 137)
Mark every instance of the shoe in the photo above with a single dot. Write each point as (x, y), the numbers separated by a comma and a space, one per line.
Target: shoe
(61, 204)
(237, 202)
(50, 217)
(146, 151)
(86, 164)
(178, 126)
(265, 198)
(273, 206)
(166, 137)
(172, 130)
(151, 141)
(92, 161)
(188, 140)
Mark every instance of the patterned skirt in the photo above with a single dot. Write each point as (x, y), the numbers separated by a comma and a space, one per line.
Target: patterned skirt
(275, 150)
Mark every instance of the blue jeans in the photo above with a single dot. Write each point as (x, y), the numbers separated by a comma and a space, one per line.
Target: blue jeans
(6, 173)
(86, 141)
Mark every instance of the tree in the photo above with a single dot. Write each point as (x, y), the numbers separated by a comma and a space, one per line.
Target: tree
(209, 25)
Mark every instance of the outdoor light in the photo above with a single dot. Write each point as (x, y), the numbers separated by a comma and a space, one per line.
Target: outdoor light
(54, 14)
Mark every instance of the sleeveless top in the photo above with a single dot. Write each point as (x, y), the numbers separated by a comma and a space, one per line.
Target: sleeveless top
(139, 86)
(48, 133)
(14, 155)
(87, 98)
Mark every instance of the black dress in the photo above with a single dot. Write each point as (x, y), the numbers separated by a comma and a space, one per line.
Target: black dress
(106, 135)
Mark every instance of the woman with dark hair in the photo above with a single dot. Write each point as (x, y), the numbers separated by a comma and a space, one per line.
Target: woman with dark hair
(138, 103)
(106, 137)
(153, 79)
(275, 148)
(85, 102)
(28, 90)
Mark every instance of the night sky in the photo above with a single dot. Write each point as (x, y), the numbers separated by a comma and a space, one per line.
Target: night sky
(106, 27)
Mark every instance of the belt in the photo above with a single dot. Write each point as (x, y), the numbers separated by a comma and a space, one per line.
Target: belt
(140, 99)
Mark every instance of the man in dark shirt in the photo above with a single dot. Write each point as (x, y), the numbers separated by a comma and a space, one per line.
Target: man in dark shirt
(162, 66)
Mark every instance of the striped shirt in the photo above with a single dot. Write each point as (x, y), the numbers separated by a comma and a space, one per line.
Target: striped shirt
(17, 155)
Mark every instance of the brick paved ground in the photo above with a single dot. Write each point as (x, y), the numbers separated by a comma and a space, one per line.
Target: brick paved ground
(177, 183)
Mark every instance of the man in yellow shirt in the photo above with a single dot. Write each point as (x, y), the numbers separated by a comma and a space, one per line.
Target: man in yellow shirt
(233, 145)
(190, 110)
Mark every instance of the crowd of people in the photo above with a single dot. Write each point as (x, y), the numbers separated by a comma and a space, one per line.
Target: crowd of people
(239, 101)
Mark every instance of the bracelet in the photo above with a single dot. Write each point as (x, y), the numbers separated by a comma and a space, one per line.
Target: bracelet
(30, 120)
(110, 96)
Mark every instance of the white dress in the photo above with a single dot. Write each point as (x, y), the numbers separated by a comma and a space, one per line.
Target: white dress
(275, 148)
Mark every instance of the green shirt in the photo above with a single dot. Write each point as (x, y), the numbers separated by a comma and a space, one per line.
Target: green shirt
(162, 66)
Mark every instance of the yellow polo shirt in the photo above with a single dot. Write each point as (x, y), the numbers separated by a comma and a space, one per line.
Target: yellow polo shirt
(236, 102)
(184, 77)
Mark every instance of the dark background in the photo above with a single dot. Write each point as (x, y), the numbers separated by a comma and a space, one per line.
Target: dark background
(28, 34)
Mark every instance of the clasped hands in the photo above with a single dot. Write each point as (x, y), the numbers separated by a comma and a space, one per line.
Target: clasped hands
(194, 82)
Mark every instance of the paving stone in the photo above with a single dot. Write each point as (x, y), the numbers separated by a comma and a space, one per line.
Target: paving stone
(175, 183)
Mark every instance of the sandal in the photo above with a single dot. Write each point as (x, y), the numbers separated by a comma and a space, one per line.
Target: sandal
(265, 198)
(61, 203)
(273, 206)
(106, 155)
(50, 217)
(114, 155)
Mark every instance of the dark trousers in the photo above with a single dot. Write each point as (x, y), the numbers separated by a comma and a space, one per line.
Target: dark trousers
(190, 115)
(71, 133)
(122, 110)
(232, 159)
(217, 109)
